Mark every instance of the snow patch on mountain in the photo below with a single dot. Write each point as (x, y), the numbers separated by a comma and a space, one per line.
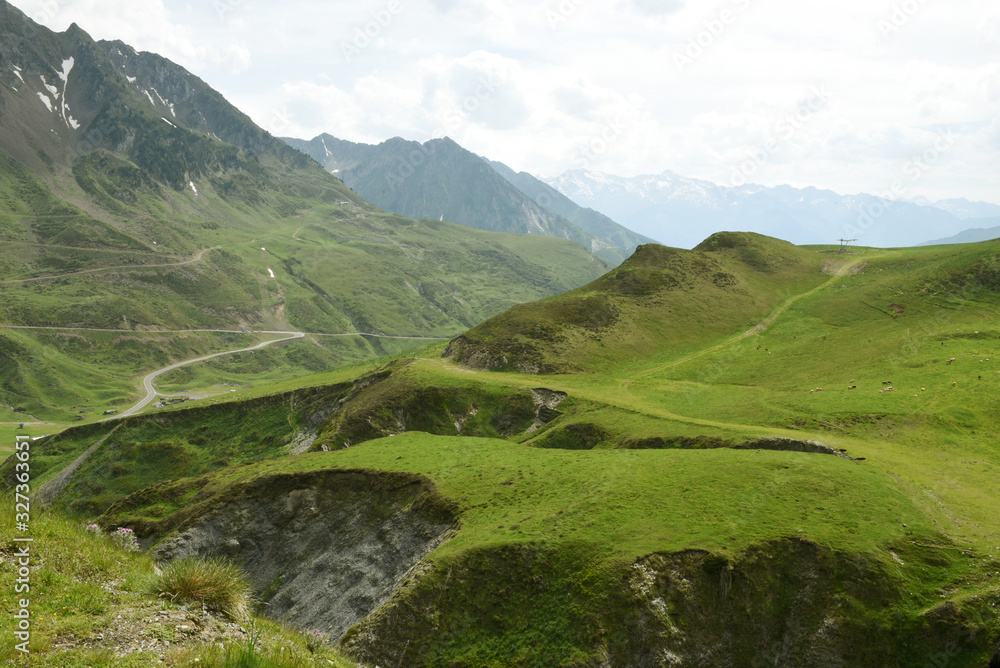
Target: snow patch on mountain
(55, 101)
(67, 66)
(17, 71)
(53, 90)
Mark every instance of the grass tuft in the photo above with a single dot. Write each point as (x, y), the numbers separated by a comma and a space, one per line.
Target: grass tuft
(215, 583)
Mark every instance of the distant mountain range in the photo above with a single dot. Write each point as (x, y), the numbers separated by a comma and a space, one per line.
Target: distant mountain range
(611, 215)
(991, 230)
(440, 180)
(680, 211)
(963, 208)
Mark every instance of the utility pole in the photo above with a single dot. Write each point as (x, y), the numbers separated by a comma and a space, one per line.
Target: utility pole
(844, 243)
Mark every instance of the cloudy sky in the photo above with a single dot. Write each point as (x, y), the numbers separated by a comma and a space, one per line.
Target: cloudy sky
(851, 95)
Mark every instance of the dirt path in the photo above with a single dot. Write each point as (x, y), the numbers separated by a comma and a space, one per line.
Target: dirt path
(194, 258)
(758, 328)
(116, 251)
(620, 396)
(151, 392)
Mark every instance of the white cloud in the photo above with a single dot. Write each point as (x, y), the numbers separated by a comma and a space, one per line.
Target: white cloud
(601, 65)
(147, 25)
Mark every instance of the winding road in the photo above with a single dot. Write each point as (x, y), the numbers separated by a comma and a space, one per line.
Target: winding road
(151, 392)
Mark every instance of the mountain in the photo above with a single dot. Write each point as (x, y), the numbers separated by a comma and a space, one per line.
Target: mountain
(134, 197)
(440, 180)
(681, 211)
(588, 220)
(964, 209)
(991, 230)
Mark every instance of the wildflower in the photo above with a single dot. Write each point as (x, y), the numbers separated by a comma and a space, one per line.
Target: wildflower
(125, 538)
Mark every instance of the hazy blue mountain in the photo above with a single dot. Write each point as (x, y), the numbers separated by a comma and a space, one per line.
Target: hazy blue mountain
(972, 235)
(680, 211)
(440, 180)
(588, 220)
(964, 209)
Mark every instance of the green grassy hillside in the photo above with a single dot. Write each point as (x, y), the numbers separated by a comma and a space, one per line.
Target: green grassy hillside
(661, 302)
(338, 269)
(759, 498)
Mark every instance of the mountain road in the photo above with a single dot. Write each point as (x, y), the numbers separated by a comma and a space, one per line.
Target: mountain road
(147, 381)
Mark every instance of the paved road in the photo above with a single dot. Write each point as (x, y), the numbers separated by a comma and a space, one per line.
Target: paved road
(147, 382)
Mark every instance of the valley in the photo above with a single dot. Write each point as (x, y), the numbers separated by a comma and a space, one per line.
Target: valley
(434, 411)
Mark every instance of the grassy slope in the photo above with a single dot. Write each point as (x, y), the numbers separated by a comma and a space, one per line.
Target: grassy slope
(339, 268)
(930, 462)
(84, 585)
(661, 302)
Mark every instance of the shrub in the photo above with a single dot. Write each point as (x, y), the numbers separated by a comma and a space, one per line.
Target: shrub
(215, 583)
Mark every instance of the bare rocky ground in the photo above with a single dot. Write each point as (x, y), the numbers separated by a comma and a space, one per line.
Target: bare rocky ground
(157, 628)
